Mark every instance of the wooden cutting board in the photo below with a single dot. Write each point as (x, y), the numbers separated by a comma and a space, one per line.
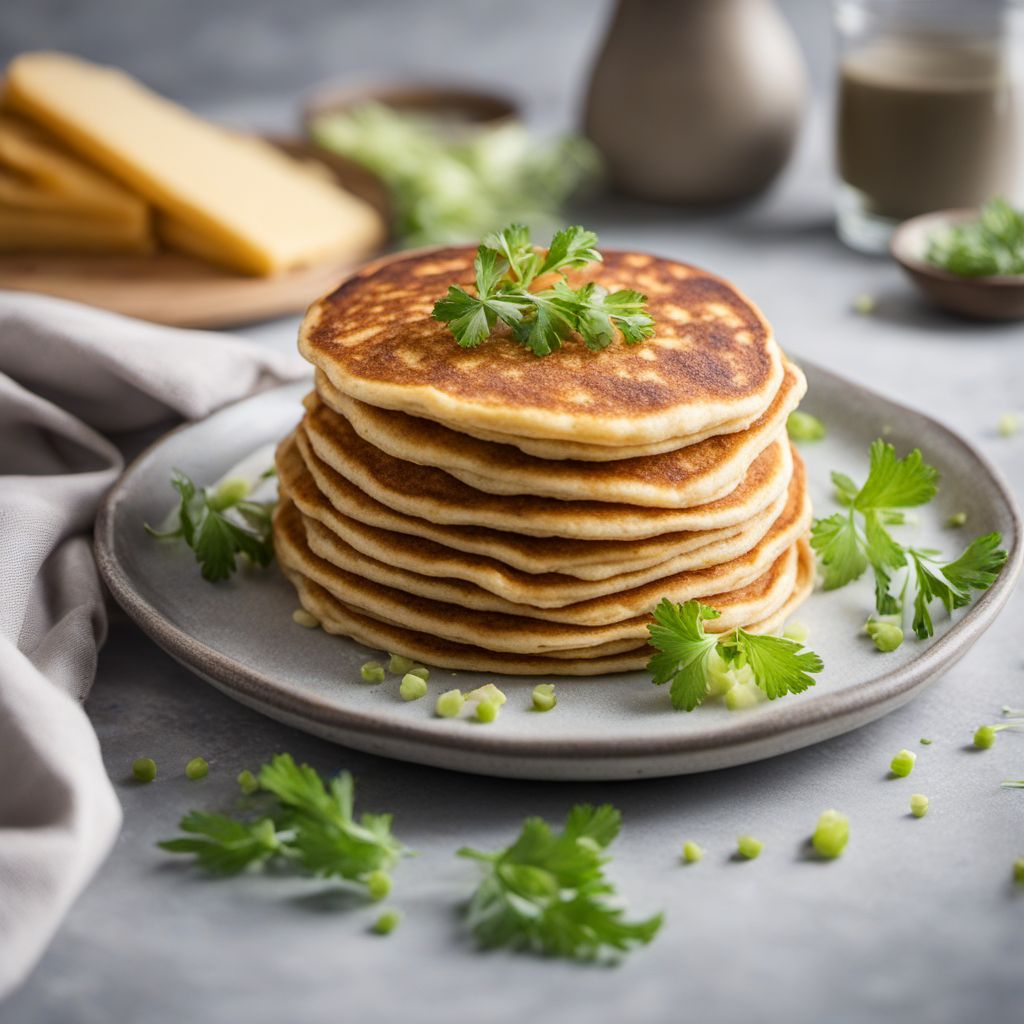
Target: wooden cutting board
(170, 288)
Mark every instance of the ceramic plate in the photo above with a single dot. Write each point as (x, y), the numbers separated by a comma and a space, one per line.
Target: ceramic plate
(240, 636)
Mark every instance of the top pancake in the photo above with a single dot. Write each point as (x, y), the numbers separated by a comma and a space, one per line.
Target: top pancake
(712, 362)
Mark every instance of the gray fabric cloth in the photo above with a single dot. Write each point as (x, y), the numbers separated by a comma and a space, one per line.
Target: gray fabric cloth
(68, 372)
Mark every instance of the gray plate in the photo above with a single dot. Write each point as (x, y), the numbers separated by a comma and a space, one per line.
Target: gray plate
(240, 637)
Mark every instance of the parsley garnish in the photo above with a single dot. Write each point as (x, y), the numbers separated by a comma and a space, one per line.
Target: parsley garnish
(310, 823)
(506, 266)
(850, 542)
(547, 891)
(992, 244)
(685, 652)
(216, 537)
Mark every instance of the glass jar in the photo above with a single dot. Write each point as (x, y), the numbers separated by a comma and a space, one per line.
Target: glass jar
(929, 110)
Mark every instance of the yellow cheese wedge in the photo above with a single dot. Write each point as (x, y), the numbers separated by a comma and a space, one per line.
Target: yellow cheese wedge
(32, 231)
(256, 208)
(36, 173)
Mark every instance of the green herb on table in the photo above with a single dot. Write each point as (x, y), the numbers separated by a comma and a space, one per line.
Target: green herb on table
(144, 769)
(993, 244)
(547, 891)
(749, 848)
(508, 267)
(919, 805)
(219, 525)
(848, 543)
(309, 823)
(1008, 424)
(831, 834)
(802, 426)
(450, 188)
(543, 697)
(387, 922)
(690, 659)
(903, 763)
(197, 768)
(692, 852)
(985, 735)
(1018, 870)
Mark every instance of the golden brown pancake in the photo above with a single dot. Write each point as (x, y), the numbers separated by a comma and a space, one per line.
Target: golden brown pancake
(383, 551)
(712, 361)
(688, 476)
(437, 496)
(338, 618)
(585, 559)
(371, 586)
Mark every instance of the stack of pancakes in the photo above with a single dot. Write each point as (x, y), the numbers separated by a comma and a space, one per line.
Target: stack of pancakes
(488, 509)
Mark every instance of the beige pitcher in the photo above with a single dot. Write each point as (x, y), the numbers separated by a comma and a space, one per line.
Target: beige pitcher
(696, 101)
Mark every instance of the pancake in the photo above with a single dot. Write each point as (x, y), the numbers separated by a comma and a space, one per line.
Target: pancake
(541, 447)
(367, 583)
(386, 551)
(688, 476)
(437, 496)
(337, 618)
(584, 559)
(712, 360)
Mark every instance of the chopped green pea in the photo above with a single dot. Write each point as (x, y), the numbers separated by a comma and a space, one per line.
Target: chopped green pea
(197, 768)
(1008, 424)
(797, 632)
(247, 782)
(864, 304)
(302, 618)
(887, 636)
(412, 687)
(925, 742)
(419, 670)
(918, 805)
(749, 847)
(544, 698)
(372, 672)
(984, 737)
(831, 834)
(487, 710)
(903, 763)
(144, 769)
(487, 692)
(692, 852)
(1018, 870)
(378, 884)
(230, 492)
(449, 704)
(802, 426)
(399, 665)
(742, 696)
(387, 922)
(956, 519)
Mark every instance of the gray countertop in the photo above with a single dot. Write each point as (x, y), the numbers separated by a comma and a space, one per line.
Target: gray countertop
(919, 918)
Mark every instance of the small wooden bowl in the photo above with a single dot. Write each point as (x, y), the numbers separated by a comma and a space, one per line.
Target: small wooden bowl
(460, 110)
(998, 297)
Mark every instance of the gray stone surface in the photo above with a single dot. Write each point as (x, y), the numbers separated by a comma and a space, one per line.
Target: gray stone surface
(919, 920)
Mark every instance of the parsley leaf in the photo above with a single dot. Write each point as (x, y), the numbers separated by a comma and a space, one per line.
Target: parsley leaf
(848, 542)
(311, 824)
(507, 266)
(992, 244)
(547, 891)
(216, 537)
(779, 666)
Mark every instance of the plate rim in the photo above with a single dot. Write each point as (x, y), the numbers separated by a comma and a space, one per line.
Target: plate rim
(231, 675)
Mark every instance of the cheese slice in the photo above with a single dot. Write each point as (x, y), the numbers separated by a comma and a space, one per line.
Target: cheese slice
(256, 208)
(36, 173)
(34, 231)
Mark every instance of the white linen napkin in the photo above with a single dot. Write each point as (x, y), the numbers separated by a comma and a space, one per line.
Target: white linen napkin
(67, 373)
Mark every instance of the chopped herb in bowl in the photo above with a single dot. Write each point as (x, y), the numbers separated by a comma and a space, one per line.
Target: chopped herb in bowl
(990, 246)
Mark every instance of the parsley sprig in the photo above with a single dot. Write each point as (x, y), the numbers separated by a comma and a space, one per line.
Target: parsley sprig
(992, 244)
(310, 824)
(848, 543)
(220, 525)
(547, 891)
(507, 267)
(686, 656)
